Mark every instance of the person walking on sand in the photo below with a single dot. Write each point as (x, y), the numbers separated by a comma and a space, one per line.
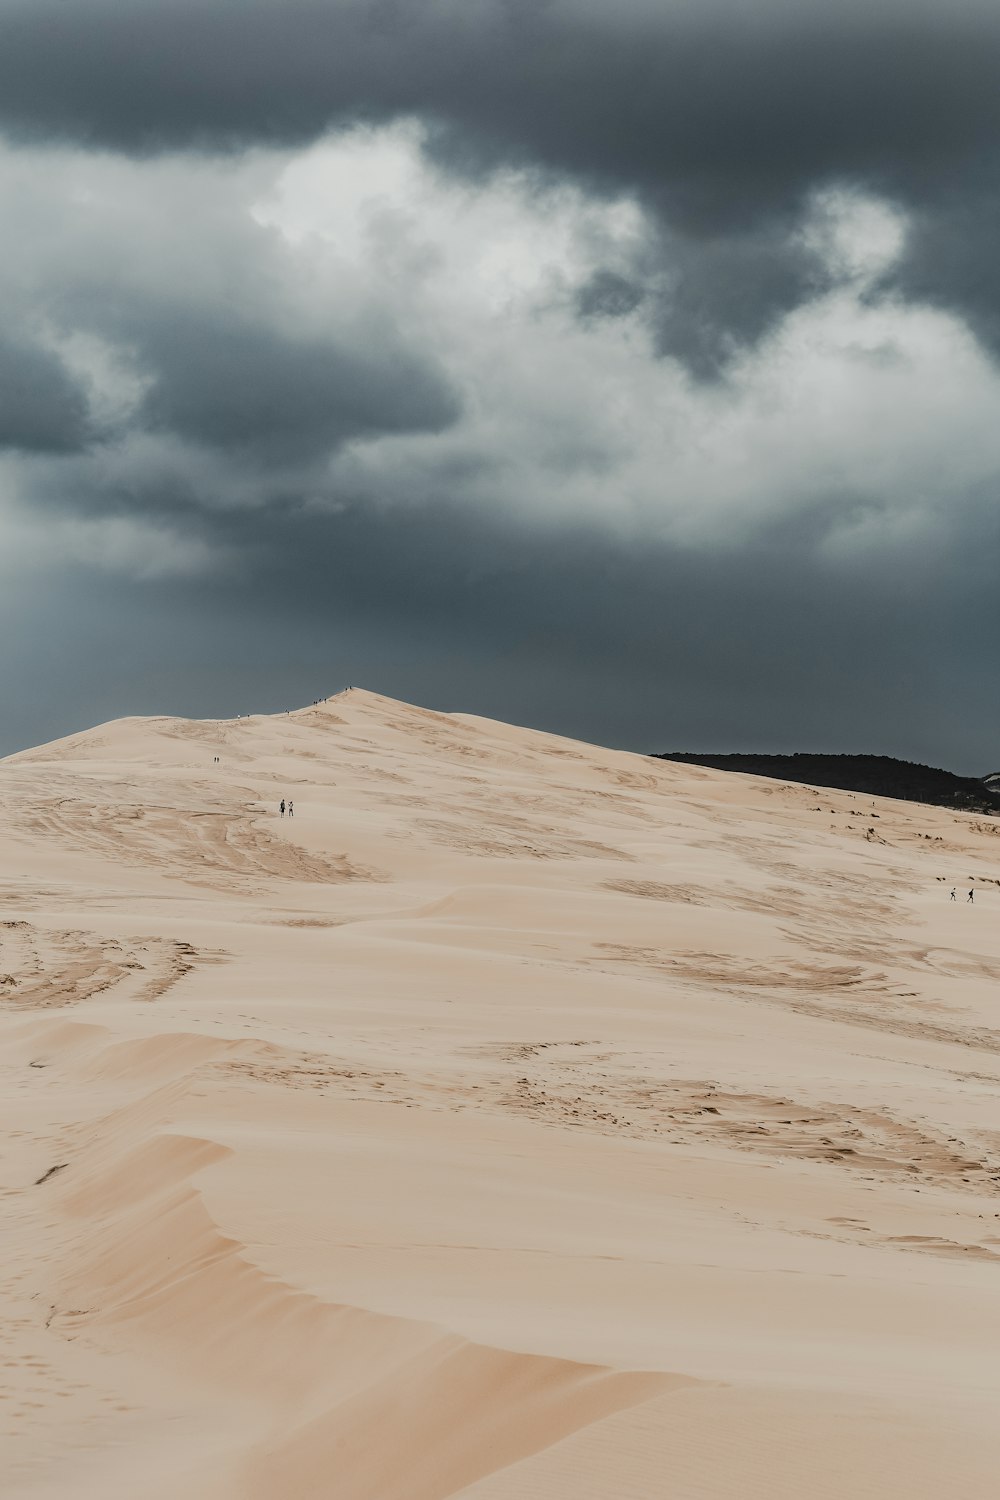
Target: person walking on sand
(281, 807)
(953, 897)
(291, 808)
(971, 897)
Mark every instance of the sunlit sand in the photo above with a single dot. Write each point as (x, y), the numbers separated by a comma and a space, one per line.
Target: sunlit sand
(521, 1120)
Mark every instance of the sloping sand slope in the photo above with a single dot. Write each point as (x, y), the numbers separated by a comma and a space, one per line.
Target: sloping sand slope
(520, 1121)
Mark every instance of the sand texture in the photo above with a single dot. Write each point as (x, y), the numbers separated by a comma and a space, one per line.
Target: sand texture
(520, 1121)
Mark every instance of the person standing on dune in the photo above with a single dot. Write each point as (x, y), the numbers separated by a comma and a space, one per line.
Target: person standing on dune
(281, 807)
(291, 808)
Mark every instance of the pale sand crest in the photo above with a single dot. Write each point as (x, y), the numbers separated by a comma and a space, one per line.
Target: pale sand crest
(522, 1121)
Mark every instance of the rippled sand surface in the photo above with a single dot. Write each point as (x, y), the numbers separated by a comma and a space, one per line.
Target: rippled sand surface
(520, 1120)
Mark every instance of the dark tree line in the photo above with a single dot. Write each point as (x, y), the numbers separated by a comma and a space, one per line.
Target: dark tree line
(874, 775)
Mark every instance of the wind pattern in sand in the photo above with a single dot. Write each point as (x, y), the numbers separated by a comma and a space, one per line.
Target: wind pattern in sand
(520, 1120)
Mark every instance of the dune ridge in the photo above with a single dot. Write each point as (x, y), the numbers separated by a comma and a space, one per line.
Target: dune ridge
(150, 1257)
(520, 1119)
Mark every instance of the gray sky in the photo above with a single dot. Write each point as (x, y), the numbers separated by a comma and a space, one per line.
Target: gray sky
(625, 369)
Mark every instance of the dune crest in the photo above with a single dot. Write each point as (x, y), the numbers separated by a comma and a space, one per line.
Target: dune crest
(517, 1119)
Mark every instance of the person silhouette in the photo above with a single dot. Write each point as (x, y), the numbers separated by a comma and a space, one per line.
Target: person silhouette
(971, 897)
(281, 807)
(953, 897)
(291, 808)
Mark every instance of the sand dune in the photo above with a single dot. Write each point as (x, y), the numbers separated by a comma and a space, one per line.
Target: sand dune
(520, 1119)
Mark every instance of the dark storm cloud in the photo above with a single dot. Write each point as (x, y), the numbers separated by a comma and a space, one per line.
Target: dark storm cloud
(653, 647)
(727, 291)
(707, 298)
(722, 116)
(42, 408)
(656, 646)
(234, 384)
(608, 295)
(763, 98)
(952, 255)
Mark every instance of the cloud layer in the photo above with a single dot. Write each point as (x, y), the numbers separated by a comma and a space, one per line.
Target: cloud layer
(627, 369)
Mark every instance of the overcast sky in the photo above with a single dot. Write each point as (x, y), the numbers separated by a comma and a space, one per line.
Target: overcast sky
(622, 367)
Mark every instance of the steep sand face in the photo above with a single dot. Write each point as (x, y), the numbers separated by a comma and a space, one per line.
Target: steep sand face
(519, 1121)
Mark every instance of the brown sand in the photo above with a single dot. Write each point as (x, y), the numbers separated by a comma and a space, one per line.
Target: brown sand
(522, 1121)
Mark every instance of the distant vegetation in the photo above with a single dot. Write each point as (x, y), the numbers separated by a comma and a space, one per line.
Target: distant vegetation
(875, 775)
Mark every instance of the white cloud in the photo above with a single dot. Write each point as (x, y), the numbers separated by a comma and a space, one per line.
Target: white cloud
(890, 407)
(857, 236)
(849, 396)
(369, 203)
